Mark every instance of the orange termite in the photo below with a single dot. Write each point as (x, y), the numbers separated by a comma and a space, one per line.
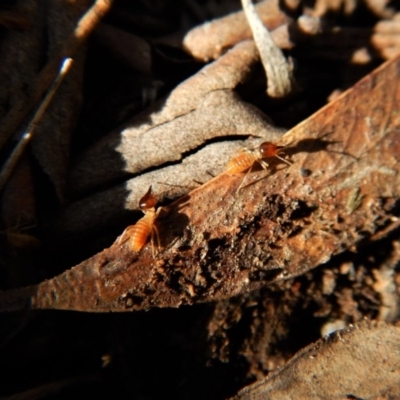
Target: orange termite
(140, 232)
(246, 159)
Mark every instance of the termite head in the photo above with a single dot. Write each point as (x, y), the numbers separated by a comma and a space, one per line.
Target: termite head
(148, 201)
(269, 149)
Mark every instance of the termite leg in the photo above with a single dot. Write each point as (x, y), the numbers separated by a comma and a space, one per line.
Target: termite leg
(119, 240)
(155, 230)
(282, 159)
(244, 179)
(263, 164)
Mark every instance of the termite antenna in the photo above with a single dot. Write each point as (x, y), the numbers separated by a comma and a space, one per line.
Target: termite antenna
(282, 159)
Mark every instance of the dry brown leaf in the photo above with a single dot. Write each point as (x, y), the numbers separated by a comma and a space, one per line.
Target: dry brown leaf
(358, 45)
(52, 137)
(313, 34)
(37, 87)
(324, 7)
(132, 50)
(57, 387)
(210, 40)
(381, 8)
(22, 52)
(221, 114)
(19, 219)
(18, 203)
(15, 20)
(360, 362)
(218, 243)
(181, 123)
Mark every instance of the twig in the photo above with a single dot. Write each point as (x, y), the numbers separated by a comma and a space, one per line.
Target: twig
(278, 70)
(27, 136)
(395, 224)
(84, 27)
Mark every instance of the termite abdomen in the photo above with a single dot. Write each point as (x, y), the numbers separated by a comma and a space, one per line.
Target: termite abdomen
(240, 163)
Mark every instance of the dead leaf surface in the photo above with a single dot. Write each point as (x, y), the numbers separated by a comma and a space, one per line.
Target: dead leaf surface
(200, 108)
(21, 48)
(338, 203)
(51, 142)
(217, 243)
(176, 130)
(30, 98)
(360, 362)
(209, 41)
(222, 114)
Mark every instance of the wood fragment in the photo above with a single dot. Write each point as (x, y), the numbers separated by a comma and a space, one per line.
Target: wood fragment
(218, 244)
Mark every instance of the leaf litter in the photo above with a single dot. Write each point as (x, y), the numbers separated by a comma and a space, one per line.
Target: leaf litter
(299, 251)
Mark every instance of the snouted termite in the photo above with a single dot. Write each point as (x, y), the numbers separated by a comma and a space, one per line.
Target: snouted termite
(246, 159)
(140, 232)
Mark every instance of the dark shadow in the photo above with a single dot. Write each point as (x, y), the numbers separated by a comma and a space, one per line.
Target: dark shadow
(315, 145)
(171, 226)
(274, 165)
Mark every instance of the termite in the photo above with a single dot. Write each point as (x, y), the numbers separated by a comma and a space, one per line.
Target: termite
(140, 232)
(246, 159)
